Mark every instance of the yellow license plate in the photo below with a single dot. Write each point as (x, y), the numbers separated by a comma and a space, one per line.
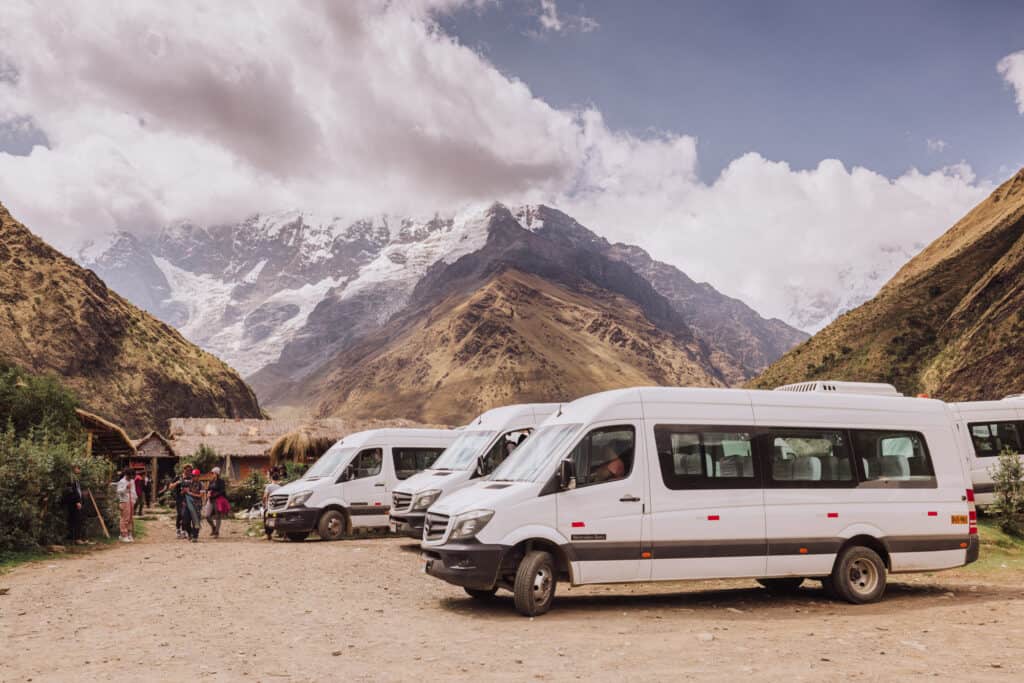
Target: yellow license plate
(959, 519)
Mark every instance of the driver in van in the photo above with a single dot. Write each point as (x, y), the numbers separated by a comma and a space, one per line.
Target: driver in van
(612, 466)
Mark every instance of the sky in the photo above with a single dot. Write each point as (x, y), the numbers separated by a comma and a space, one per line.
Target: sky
(779, 150)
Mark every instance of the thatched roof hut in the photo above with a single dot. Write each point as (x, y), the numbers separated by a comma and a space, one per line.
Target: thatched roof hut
(104, 437)
(309, 441)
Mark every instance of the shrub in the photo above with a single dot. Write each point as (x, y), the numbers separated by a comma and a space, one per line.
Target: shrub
(247, 492)
(34, 471)
(205, 459)
(293, 471)
(28, 402)
(1008, 475)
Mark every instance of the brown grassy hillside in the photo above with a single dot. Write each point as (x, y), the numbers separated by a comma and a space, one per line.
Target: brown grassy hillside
(124, 364)
(517, 338)
(950, 323)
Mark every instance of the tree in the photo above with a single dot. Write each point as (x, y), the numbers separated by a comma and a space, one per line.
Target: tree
(1008, 476)
(204, 459)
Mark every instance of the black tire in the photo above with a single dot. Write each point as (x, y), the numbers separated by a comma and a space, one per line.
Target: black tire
(858, 576)
(484, 595)
(297, 536)
(332, 526)
(782, 586)
(534, 587)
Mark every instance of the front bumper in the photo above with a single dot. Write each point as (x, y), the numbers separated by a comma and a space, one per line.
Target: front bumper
(293, 520)
(470, 564)
(408, 523)
(973, 549)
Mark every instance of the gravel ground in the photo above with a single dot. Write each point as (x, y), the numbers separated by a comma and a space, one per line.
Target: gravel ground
(242, 608)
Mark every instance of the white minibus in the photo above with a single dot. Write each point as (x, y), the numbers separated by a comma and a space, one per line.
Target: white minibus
(479, 448)
(836, 482)
(350, 485)
(992, 426)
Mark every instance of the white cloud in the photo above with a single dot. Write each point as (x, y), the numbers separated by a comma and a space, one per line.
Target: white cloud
(551, 21)
(213, 111)
(936, 144)
(1012, 69)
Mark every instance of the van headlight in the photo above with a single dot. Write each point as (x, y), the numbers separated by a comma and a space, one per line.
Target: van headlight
(425, 499)
(299, 499)
(469, 524)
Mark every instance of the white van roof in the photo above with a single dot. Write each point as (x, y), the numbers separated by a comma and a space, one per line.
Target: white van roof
(398, 436)
(652, 401)
(832, 386)
(508, 417)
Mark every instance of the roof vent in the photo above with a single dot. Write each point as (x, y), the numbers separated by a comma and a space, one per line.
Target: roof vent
(830, 387)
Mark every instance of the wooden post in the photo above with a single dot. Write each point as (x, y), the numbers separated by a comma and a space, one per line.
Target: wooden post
(152, 477)
(88, 443)
(227, 467)
(99, 516)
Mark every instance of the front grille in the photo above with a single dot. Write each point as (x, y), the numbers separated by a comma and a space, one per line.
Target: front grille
(278, 502)
(434, 527)
(400, 501)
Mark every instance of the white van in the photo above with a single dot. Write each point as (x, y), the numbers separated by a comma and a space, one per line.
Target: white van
(992, 426)
(350, 485)
(480, 447)
(655, 484)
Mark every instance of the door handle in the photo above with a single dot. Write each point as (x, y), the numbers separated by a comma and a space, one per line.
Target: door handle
(629, 499)
(379, 483)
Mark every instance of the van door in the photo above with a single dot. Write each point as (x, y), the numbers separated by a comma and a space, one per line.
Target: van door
(365, 488)
(603, 516)
(707, 504)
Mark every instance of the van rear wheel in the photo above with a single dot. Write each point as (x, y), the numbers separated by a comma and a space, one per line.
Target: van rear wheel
(332, 525)
(483, 595)
(858, 576)
(534, 587)
(782, 586)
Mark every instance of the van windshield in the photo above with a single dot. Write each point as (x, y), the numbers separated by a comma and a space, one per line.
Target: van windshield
(463, 452)
(534, 458)
(329, 461)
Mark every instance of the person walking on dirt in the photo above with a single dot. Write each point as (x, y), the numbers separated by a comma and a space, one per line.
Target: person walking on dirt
(267, 490)
(192, 505)
(72, 501)
(177, 488)
(216, 491)
(140, 494)
(126, 502)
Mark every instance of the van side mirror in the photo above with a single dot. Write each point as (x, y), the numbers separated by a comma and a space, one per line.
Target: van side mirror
(567, 475)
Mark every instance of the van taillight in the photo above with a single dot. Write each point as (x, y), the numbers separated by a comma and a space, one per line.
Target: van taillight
(970, 495)
(972, 515)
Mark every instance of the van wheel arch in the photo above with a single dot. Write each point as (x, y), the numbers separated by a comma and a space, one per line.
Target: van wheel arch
(516, 554)
(878, 545)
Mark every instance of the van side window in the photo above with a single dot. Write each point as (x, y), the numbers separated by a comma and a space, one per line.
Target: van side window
(367, 463)
(409, 461)
(810, 457)
(705, 459)
(501, 449)
(990, 438)
(899, 458)
(605, 454)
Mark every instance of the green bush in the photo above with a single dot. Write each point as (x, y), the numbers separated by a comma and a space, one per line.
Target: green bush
(293, 471)
(205, 459)
(1008, 475)
(28, 402)
(248, 492)
(34, 471)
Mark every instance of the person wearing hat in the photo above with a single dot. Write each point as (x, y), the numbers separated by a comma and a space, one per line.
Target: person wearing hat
(216, 490)
(193, 490)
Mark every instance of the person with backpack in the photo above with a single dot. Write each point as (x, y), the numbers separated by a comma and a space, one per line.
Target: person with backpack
(192, 505)
(217, 498)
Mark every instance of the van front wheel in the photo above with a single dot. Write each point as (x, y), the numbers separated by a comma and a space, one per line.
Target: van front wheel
(332, 525)
(534, 587)
(858, 576)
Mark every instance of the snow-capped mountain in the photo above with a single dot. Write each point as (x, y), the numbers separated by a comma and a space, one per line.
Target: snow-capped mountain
(813, 309)
(278, 296)
(243, 291)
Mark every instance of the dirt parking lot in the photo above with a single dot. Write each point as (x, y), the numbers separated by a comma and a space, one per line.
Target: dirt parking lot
(242, 608)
